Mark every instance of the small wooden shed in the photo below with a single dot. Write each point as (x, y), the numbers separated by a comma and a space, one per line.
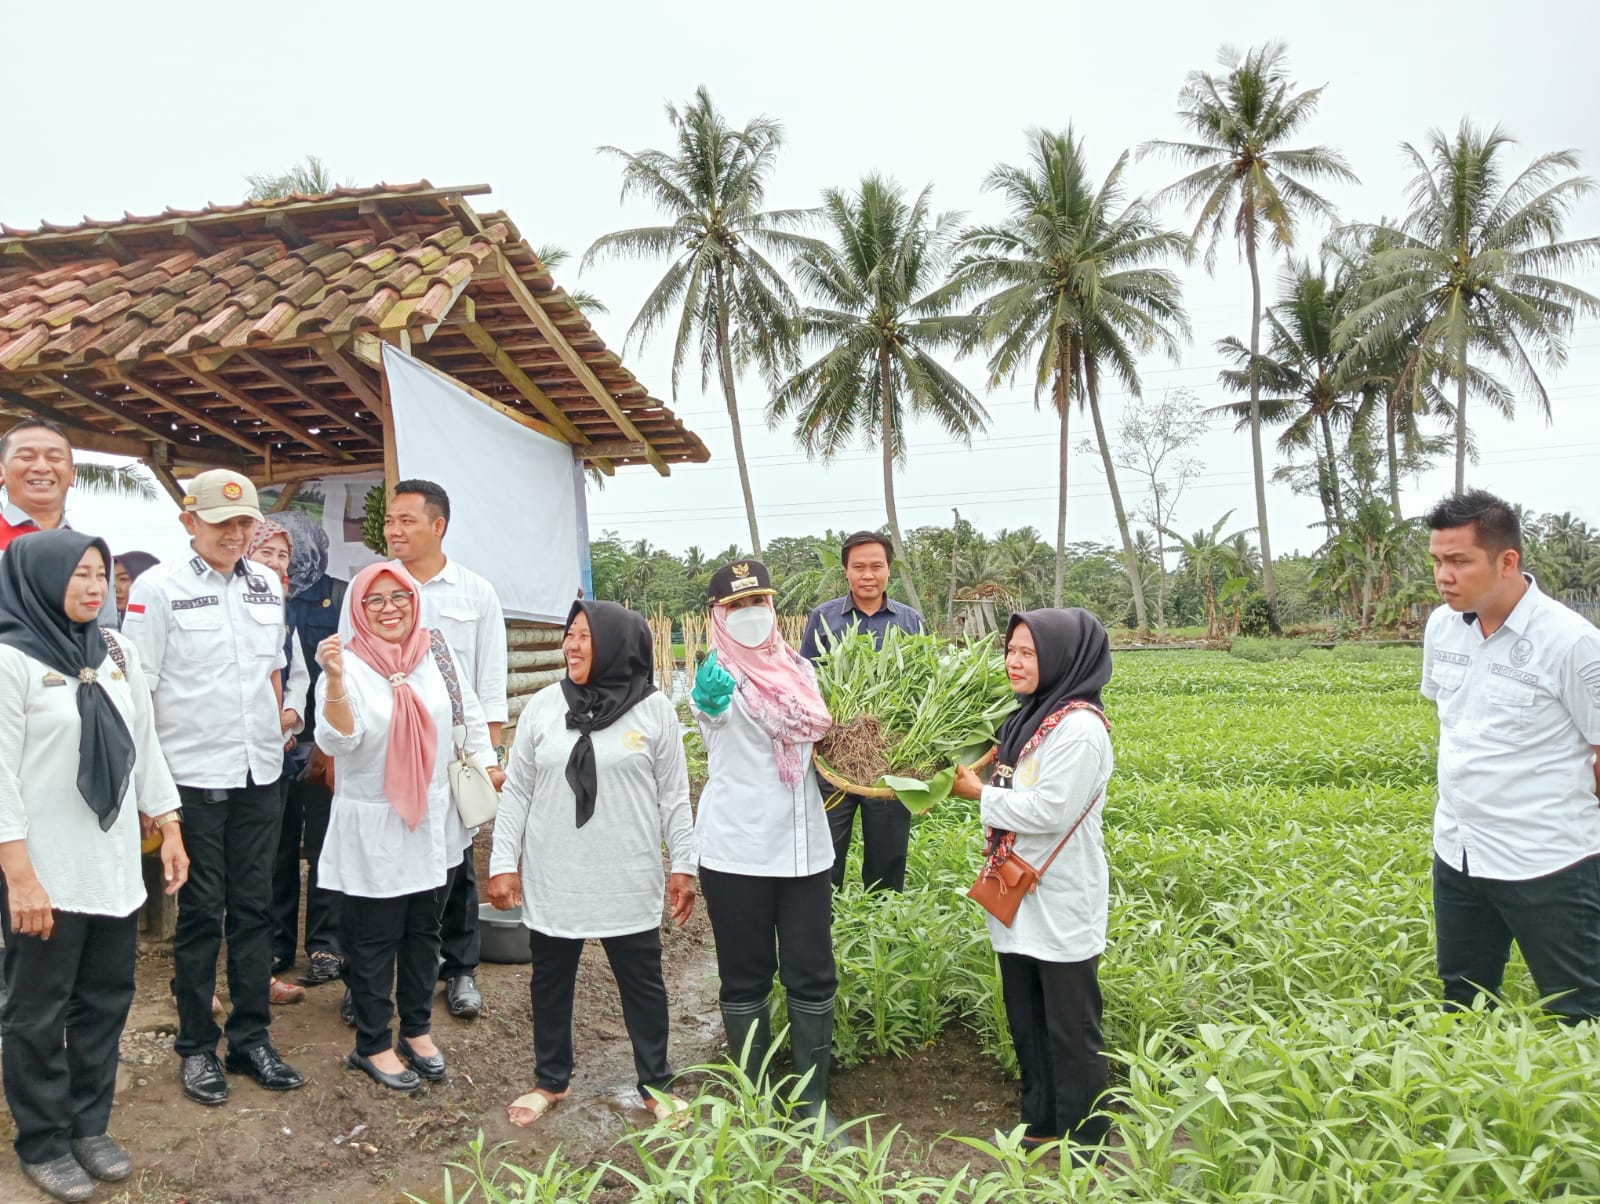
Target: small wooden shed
(248, 336)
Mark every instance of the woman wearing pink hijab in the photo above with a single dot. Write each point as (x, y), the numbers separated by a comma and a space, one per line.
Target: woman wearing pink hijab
(384, 712)
(762, 835)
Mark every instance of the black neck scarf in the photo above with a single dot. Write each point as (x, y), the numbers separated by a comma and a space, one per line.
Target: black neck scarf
(620, 676)
(1074, 656)
(33, 588)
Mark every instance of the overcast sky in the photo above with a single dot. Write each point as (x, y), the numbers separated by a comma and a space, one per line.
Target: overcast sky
(130, 113)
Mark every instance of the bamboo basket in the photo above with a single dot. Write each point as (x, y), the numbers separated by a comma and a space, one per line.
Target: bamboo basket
(844, 787)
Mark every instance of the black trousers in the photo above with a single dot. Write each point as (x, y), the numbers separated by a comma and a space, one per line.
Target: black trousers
(636, 964)
(1053, 1010)
(1555, 921)
(66, 1002)
(391, 947)
(231, 845)
(767, 926)
(458, 920)
(305, 820)
(885, 835)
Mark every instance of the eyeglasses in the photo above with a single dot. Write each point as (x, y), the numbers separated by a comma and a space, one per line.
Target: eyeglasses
(400, 600)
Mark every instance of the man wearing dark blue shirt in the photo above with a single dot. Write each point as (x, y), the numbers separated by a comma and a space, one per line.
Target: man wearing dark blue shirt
(885, 823)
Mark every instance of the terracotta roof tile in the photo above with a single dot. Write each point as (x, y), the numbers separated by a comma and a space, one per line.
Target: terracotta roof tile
(228, 277)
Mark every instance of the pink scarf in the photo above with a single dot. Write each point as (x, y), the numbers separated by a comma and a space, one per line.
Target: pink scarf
(779, 688)
(412, 741)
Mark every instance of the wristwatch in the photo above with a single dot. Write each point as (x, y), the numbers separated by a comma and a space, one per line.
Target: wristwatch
(500, 754)
(174, 816)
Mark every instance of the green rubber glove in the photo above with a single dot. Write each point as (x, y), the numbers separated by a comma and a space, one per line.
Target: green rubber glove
(713, 687)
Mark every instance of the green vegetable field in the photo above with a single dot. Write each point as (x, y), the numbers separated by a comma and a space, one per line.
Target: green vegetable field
(1269, 984)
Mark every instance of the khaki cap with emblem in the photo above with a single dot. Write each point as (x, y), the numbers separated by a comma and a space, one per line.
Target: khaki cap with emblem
(217, 495)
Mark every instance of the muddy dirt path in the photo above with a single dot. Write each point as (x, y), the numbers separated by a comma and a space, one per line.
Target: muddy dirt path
(344, 1138)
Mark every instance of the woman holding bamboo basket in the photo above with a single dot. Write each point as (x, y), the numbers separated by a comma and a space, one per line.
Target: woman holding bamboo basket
(1042, 808)
(761, 836)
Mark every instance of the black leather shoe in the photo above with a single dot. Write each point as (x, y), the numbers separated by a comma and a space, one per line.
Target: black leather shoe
(462, 997)
(102, 1158)
(347, 1009)
(406, 1080)
(324, 968)
(61, 1178)
(430, 1068)
(262, 1063)
(203, 1080)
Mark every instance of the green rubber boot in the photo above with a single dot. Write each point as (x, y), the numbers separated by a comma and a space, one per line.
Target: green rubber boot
(811, 1045)
(749, 1028)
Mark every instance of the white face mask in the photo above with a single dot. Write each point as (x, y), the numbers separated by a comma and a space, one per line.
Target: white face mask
(751, 626)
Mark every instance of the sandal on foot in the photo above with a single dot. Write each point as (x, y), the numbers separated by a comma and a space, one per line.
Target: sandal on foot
(537, 1102)
(669, 1109)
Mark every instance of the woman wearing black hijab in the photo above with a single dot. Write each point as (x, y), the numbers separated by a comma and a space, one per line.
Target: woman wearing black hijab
(1050, 777)
(79, 763)
(596, 783)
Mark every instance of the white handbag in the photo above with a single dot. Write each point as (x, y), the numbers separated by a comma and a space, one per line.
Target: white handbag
(474, 794)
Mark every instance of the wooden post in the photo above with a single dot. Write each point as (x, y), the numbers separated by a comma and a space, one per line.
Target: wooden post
(391, 462)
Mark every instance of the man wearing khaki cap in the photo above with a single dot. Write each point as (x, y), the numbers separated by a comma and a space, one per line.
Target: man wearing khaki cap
(210, 633)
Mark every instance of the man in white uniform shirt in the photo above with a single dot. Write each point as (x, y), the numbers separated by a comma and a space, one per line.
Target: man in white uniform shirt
(37, 468)
(465, 609)
(1516, 834)
(210, 633)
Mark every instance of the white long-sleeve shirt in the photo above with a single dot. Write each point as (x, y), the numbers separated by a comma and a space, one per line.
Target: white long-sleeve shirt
(605, 878)
(210, 642)
(369, 851)
(81, 868)
(1065, 919)
(748, 821)
(463, 607)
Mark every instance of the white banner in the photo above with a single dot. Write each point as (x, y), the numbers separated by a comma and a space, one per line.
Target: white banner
(516, 513)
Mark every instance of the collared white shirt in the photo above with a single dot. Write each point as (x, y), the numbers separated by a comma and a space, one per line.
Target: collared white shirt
(463, 607)
(1519, 716)
(210, 642)
(81, 868)
(1064, 920)
(16, 516)
(605, 878)
(369, 851)
(748, 821)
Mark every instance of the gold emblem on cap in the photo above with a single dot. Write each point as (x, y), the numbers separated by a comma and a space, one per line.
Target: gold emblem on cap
(188, 499)
(232, 491)
(741, 570)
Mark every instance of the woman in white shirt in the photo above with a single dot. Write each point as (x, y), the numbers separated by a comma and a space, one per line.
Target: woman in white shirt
(384, 713)
(79, 763)
(761, 833)
(1049, 781)
(596, 783)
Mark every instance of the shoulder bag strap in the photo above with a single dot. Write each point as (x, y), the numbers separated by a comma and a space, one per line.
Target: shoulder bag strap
(1045, 728)
(447, 670)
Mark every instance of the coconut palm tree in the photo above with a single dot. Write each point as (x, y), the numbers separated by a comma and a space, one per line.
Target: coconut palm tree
(721, 294)
(1248, 182)
(884, 311)
(310, 178)
(1205, 554)
(554, 257)
(1472, 268)
(1076, 292)
(1315, 387)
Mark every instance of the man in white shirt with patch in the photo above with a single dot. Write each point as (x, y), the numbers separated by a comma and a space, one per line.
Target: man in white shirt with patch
(1516, 833)
(464, 608)
(210, 633)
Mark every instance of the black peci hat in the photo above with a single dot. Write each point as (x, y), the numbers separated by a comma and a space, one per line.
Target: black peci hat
(740, 579)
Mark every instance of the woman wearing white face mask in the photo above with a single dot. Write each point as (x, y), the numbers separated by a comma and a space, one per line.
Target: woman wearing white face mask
(761, 835)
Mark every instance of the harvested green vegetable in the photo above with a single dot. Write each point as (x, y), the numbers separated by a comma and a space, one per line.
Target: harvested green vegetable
(905, 714)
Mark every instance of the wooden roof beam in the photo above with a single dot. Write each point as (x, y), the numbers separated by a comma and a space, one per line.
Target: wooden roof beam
(232, 393)
(84, 435)
(187, 231)
(372, 214)
(88, 398)
(336, 410)
(188, 412)
(353, 378)
(575, 363)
